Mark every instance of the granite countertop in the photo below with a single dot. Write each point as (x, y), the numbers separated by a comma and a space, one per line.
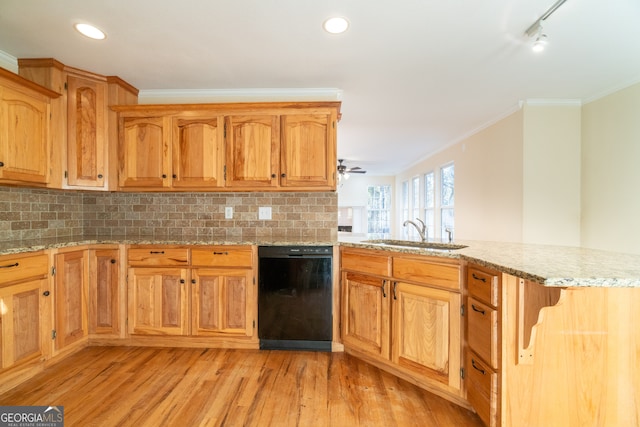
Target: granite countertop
(559, 266)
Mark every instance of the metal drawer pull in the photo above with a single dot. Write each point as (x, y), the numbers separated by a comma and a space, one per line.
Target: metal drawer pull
(156, 252)
(482, 279)
(473, 363)
(384, 293)
(10, 265)
(476, 309)
(221, 253)
(395, 287)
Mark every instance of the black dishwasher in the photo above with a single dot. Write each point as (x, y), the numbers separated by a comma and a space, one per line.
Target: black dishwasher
(294, 297)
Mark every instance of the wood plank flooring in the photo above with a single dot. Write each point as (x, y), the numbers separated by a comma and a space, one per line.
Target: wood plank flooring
(133, 386)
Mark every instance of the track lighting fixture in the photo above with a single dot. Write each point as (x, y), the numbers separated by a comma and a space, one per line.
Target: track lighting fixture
(535, 30)
(540, 42)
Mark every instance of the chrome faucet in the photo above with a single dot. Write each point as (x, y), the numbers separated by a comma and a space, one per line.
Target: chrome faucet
(450, 233)
(422, 228)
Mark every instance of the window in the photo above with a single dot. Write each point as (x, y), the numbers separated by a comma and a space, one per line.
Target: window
(405, 207)
(415, 204)
(446, 198)
(430, 201)
(379, 211)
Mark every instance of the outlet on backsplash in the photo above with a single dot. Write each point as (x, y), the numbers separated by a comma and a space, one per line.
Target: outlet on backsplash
(264, 212)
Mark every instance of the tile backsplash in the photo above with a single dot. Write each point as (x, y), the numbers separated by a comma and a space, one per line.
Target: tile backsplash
(38, 213)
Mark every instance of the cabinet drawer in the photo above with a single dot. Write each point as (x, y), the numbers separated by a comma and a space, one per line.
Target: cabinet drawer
(482, 389)
(428, 272)
(483, 284)
(366, 263)
(483, 331)
(222, 256)
(16, 267)
(158, 256)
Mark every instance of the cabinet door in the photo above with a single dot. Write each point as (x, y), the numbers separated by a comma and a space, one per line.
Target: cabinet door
(21, 334)
(157, 301)
(308, 151)
(144, 153)
(24, 137)
(253, 151)
(222, 302)
(365, 317)
(198, 153)
(86, 131)
(70, 297)
(426, 332)
(104, 269)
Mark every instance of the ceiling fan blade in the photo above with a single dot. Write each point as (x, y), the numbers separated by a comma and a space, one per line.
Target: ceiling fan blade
(354, 168)
(352, 171)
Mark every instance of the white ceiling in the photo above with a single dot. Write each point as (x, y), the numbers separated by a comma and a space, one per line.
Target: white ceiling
(413, 75)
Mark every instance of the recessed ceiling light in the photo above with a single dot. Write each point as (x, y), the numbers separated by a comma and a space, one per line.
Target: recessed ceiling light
(336, 25)
(90, 31)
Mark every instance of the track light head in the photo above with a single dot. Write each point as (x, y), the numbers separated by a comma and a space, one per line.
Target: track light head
(540, 43)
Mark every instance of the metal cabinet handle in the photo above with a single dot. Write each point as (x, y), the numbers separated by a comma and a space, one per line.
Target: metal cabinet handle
(156, 252)
(10, 265)
(182, 281)
(1, 164)
(193, 281)
(174, 176)
(273, 175)
(482, 279)
(221, 253)
(476, 309)
(164, 175)
(100, 176)
(284, 175)
(473, 363)
(46, 293)
(395, 287)
(384, 292)
(113, 261)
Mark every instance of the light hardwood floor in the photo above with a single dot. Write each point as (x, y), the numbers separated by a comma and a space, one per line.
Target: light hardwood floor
(132, 386)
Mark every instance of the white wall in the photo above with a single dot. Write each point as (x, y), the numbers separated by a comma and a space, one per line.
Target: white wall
(551, 173)
(488, 182)
(611, 172)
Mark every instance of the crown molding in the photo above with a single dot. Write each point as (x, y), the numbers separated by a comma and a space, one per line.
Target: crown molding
(543, 102)
(8, 62)
(151, 96)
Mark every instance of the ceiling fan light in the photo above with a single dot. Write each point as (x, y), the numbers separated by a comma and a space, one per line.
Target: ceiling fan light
(90, 31)
(336, 25)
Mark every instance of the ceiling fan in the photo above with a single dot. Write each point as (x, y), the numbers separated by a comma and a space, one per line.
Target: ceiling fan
(343, 171)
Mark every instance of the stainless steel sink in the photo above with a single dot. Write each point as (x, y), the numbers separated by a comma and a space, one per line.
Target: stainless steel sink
(415, 244)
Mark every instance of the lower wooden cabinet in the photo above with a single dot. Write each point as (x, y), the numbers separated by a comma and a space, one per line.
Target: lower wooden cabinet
(426, 328)
(210, 292)
(365, 321)
(157, 299)
(21, 328)
(410, 327)
(70, 295)
(104, 292)
(220, 302)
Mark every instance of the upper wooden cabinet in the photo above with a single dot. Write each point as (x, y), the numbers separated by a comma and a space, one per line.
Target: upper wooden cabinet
(228, 147)
(25, 118)
(308, 156)
(82, 122)
(253, 151)
(198, 152)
